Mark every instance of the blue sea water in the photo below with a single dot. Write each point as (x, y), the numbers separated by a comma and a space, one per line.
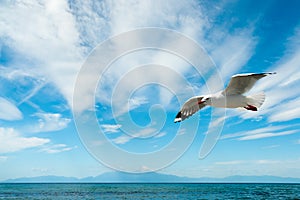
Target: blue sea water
(149, 191)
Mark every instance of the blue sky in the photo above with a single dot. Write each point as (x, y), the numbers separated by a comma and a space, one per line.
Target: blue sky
(44, 44)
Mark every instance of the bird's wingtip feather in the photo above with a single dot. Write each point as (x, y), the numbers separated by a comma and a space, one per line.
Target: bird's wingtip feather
(178, 118)
(249, 74)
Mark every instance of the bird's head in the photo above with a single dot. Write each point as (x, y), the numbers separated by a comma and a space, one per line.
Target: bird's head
(207, 99)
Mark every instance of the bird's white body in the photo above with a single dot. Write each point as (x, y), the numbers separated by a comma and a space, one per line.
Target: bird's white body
(220, 100)
(231, 97)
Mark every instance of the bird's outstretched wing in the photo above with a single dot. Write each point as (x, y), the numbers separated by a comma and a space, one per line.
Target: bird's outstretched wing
(241, 83)
(189, 108)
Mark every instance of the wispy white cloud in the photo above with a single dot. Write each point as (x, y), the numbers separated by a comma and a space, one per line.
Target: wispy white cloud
(161, 134)
(136, 102)
(266, 135)
(263, 162)
(3, 158)
(143, 133)
(286, 111)
(12, 141)
(123, 103)
(92, 20)
(111, 128)
(26, 82)
(122, 139)
(186, 17)
(182, 131)
(234, 51)
(271, 146)
(9, 111)
(14, 73)
(57, 148)
(146, 132)
(265, 132)
(49, 122)
(246, 162)
(32, 92)
(230, 52)
(232, 162)
(40, 170)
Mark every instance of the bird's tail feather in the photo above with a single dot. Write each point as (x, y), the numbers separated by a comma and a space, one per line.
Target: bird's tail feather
(257, 99)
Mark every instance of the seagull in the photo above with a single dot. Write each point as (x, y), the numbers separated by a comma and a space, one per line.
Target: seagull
(231, 97)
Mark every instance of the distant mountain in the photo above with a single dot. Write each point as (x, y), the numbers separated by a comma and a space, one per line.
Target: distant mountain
(140, 178)
(43, 179)
(121, 177)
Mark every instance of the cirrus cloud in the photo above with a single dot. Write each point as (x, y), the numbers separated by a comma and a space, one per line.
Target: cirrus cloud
(8, 111)
(49, 122)
(12, 141)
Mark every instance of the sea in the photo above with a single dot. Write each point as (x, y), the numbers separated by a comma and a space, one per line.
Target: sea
(222, 191)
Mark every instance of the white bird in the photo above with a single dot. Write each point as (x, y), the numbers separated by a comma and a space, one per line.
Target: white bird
(231, 97)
